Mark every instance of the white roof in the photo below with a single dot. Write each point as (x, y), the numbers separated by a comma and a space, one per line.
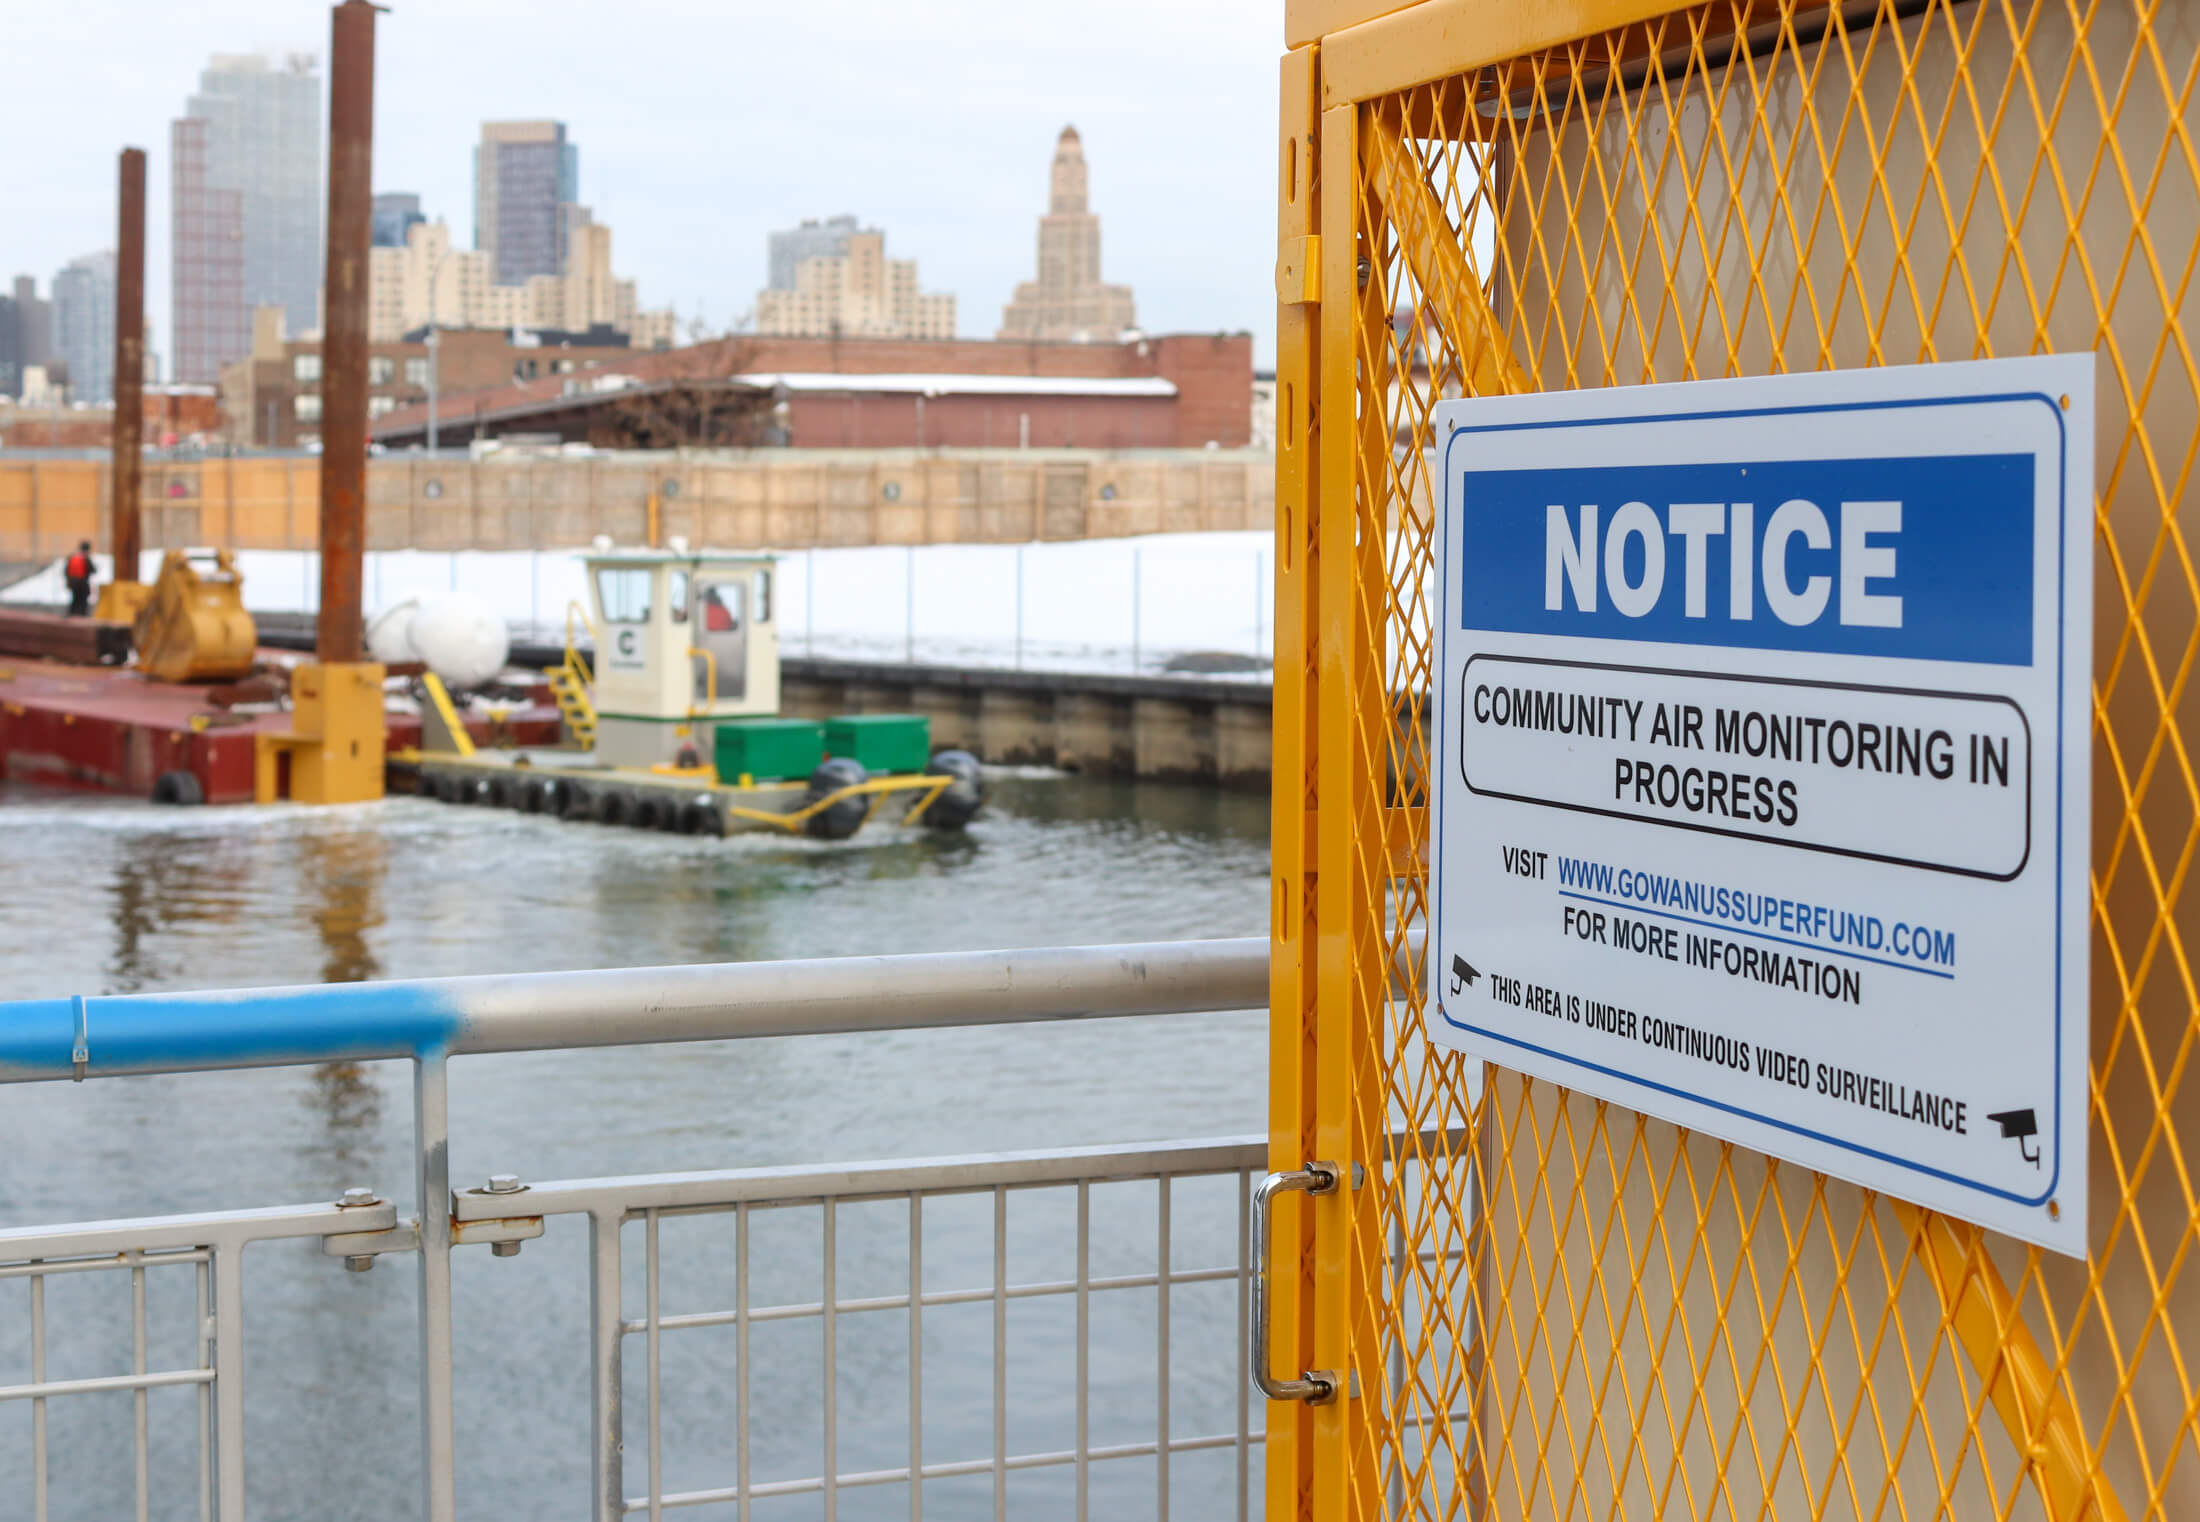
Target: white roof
(949, 384)
(639, 554)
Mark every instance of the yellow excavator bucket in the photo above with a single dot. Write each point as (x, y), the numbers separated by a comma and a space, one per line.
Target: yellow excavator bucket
(194, 628)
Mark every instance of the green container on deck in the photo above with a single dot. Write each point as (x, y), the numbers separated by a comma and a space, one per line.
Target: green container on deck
(883, 742)
(767, 748)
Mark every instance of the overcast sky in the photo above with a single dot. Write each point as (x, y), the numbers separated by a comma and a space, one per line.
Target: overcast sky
(704, 124)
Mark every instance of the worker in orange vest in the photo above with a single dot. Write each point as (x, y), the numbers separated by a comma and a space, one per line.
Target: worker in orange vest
(77, 572)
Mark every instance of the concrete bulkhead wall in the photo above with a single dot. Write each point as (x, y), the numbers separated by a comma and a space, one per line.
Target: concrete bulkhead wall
(1164, 728)
(780, 498)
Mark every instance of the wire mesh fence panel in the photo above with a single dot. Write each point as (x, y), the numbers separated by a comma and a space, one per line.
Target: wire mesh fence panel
(1638, 1321)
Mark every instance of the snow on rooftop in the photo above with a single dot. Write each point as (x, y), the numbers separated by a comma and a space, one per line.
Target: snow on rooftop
(949, 384)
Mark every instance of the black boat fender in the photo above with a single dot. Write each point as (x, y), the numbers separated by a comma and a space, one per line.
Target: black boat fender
(178, 787)
(959, 802)
(844, 818)
(703, 816)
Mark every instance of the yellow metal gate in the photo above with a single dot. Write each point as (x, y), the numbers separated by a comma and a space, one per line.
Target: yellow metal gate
(1537, 1305)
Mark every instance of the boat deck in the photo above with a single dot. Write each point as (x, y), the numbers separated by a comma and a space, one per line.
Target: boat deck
(113, 729)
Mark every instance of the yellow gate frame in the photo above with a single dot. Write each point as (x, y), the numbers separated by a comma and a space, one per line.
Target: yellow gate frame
(1579, 1312)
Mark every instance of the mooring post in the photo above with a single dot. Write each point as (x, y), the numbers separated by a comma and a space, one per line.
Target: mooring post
(124, 595)
(342, 633)
(337, 716)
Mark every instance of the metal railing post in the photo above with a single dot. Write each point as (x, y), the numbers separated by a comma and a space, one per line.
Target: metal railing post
(744, 1477)
(916, 1356)
(432, 1191)
(139, 1413)
(607, 1470)
(229, 1381)
(38, 1405)
(203, 1305)
(1244, 1343)
(1000, 1354)
(653, 1344)
(1161, 1354)
(1084, 1350)
(830, 1339)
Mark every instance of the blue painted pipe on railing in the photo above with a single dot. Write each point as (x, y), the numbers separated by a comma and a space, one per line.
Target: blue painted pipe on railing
(152, 1033)
(164, 1033)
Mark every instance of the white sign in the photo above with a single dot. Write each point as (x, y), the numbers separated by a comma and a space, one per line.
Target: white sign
(1762, 726)
(625, 650)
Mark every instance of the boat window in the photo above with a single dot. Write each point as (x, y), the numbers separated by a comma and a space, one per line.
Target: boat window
(763, 597)
(624, 593)
(677, 603)
(720, 605)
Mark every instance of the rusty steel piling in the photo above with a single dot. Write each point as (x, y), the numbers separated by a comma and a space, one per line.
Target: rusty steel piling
(126, 536)
(342, 634)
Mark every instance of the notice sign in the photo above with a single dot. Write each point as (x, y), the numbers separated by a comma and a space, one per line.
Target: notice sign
(1761, 788)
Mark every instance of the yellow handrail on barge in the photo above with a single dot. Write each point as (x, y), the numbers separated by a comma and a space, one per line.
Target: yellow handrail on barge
(569, 681)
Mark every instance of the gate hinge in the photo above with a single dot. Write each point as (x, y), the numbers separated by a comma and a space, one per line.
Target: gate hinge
(1299, 270)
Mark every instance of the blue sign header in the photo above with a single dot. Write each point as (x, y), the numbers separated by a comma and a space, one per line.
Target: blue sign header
(1918, 557)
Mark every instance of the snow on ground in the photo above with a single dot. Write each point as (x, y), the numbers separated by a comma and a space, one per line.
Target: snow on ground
(1089, 605)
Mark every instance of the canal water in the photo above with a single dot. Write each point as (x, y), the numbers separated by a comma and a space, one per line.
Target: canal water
(110, 896)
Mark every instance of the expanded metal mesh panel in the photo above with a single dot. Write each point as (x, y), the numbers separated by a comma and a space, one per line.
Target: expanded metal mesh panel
(1624, 1319)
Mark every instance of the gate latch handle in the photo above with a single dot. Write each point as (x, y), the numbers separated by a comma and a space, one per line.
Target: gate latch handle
(1316, 1385)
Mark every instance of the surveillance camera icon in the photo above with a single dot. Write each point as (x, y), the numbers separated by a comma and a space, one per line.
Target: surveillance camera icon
(2020, 1126)
(1463, 974)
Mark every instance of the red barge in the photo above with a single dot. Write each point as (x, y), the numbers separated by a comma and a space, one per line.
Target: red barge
(115, 729)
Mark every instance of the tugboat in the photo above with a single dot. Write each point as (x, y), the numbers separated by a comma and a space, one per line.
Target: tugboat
(672, 720)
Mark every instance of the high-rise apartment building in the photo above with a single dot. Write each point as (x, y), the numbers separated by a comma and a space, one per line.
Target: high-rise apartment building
(210, 322)
(525, 174)
(395, 213)
(246, 164)
(787, 249)
(1068, 301)
(25, 334)
(428, 281)
(84, 325)
(856, 292)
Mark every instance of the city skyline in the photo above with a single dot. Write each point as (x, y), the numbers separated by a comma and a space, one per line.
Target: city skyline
(695, 176)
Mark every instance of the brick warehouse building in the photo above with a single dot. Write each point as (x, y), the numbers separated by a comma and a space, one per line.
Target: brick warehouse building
(1181, 390)
(174, 414)
(272, 400)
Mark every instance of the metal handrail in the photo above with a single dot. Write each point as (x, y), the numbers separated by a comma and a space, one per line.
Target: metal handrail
(885, 1179)
(40, 1039)
(710, 682)
(573, 608)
